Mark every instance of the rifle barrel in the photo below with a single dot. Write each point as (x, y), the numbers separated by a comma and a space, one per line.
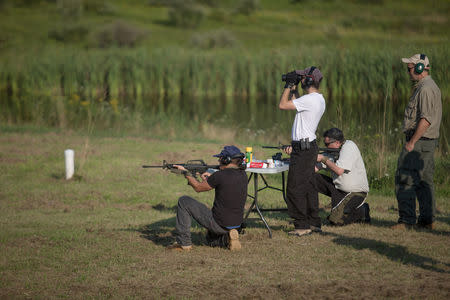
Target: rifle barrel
(145, 166)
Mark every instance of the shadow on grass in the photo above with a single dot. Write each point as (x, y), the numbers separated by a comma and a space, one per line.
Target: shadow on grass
(163, 232)
(393, 252)
(443, 219)
(387, 224)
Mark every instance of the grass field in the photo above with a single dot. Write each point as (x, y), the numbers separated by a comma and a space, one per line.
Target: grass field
(103, 234)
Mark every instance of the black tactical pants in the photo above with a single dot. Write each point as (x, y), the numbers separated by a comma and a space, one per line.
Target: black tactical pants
(301, 198)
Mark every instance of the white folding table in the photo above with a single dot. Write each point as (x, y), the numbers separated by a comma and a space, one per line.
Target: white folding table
(260, 172)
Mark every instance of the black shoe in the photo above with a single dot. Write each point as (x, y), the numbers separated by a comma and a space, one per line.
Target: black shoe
(216, 240)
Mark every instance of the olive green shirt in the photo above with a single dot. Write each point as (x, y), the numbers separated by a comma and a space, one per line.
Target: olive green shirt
(425, 103)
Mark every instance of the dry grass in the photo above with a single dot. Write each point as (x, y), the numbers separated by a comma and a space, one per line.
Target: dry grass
(104, 234)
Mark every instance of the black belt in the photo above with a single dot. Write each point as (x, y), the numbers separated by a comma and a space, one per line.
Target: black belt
(303, 144)
(408, 137)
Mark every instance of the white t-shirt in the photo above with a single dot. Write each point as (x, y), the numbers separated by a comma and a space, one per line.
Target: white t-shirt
(356, 179)
(310, 109)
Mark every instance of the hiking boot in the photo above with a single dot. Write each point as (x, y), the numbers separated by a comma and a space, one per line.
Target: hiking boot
(233, 243)
(315, 229)
(425, 226)
(300, 232)
(402, 226)
(177, 247)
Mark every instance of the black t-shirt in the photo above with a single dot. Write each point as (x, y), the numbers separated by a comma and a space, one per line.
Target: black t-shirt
(231, 193)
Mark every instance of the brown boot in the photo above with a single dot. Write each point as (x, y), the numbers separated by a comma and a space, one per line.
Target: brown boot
(402, 226)
(177, 247)
(234, 243)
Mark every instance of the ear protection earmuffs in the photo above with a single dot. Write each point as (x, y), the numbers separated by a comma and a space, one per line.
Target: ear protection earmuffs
(226, 160)
(419, 67)
(309, 78)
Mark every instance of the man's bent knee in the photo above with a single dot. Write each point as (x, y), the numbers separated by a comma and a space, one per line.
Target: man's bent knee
(183, 201)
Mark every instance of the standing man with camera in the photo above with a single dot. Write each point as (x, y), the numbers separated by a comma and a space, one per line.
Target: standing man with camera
(302, 198)
(414, 176)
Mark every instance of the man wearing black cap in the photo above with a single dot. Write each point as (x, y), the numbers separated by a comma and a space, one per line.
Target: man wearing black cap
(348, 185)
(226, 216)
(422, 119)
(302, 198)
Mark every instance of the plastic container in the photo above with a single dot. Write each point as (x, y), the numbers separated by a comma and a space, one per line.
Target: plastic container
(248, 154)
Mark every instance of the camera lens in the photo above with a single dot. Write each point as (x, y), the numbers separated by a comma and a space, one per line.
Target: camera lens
(283, 77)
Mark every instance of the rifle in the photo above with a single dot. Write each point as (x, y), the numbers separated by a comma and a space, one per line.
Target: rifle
(330, 152)
(192, 166)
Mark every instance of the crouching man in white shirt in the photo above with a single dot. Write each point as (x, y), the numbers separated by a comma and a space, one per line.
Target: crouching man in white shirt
(348, 185)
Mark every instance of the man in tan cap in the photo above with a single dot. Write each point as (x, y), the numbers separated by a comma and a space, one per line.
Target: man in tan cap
(414, 176)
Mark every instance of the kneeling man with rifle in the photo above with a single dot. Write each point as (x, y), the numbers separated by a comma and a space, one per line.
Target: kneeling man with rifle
(226, 215)
(348, 185)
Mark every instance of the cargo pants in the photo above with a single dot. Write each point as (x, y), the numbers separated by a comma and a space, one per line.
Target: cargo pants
(414, 179)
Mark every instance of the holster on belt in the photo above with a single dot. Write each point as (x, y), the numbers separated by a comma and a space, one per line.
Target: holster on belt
(301, 145)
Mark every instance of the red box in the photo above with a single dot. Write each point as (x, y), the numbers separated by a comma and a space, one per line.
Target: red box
(257, 165)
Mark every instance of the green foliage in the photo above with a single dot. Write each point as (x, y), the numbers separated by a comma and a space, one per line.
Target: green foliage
(25, 3)
(71, 9)
(100, 7)
(214, 39)
(69, 32)
(118, 34)
(211, 3)
(186, 14)
(247, 7)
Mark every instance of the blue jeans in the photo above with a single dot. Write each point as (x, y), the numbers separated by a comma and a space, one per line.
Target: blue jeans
(188, 209)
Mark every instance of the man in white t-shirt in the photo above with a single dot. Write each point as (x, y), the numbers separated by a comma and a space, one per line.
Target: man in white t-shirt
(302, 198)
(348, 185)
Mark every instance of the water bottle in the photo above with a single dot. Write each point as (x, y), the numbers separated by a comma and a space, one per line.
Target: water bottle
(248, 154)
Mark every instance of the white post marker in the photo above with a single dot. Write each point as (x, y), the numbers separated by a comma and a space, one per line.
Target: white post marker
(69, 155)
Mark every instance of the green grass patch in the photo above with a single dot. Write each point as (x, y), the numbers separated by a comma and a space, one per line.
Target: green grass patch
(104, 234)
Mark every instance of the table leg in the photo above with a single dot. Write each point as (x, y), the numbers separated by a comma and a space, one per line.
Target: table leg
(255, 181)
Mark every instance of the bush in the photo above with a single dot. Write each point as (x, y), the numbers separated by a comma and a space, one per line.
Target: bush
(119, 34)
(211, 3)
(69, 33)
(70, 8)
(247, 7)
(24, 2)
(186, 14)
(214, 39)
(100, 7)
(162, 2)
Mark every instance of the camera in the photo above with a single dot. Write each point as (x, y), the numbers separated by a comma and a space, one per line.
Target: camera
(291, 78)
